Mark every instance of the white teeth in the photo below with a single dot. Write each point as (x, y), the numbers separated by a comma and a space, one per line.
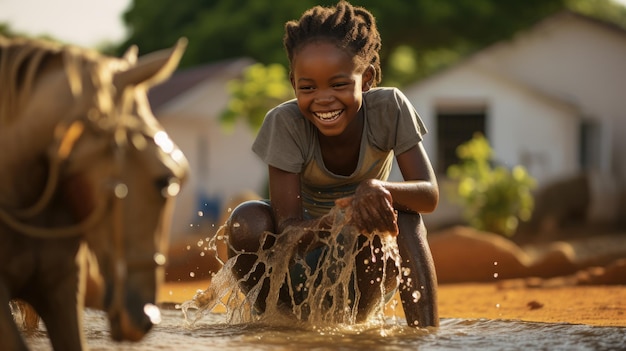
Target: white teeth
(328, 116)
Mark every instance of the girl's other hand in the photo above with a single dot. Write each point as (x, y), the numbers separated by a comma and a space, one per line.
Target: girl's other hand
(371, 208)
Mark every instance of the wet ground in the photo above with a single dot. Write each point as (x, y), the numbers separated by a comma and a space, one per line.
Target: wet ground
(210, 333)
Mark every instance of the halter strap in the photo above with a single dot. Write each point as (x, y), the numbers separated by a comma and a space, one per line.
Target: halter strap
(15, 218)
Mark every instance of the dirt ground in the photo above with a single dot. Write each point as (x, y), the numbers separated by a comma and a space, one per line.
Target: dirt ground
(600, 305)
(580, 281)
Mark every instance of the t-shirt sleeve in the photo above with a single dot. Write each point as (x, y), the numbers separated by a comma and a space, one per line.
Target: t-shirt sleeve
(395, 124)
(281, 141)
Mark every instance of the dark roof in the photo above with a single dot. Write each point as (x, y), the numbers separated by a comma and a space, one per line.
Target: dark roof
(604, 23)
(184, 80)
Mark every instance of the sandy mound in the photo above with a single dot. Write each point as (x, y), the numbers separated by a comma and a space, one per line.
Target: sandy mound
(463, 254)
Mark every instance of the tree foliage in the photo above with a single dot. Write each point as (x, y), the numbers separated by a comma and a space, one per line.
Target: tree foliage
(261, 88)
(493, 198)
(432, 33)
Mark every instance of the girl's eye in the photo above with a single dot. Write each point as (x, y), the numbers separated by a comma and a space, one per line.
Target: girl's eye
(340, 85)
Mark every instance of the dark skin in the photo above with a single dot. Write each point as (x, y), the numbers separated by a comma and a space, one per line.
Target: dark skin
(326, 78)
(329, 84)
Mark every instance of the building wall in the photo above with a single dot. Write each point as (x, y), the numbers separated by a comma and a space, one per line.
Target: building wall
(522, 126)
(222, 163)
(579, 61)
(222, 167)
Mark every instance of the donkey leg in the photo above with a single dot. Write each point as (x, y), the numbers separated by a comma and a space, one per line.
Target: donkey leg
(60, 305)
(62, 318)
(11, 338)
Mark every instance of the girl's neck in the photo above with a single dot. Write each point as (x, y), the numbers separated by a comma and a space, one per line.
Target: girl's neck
(350, 136)
(341, 153)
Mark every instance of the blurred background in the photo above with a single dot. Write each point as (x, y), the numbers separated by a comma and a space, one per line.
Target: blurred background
(538, 85)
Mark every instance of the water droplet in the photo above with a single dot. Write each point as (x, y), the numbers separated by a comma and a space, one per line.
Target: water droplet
(200, 214)
(201, 254)
(153, 313)
(236, 225)
(172, 189)
(497, 305)
(159, 259)
(416, 295)
(188, 247)
(120, 190)
(495, 263)
(200, 243)
(192, 274)
(495, 275)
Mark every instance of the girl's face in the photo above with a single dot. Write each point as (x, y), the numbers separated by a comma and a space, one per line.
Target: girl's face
(329, 86)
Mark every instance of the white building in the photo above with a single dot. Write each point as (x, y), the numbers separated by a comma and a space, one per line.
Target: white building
(552, 99)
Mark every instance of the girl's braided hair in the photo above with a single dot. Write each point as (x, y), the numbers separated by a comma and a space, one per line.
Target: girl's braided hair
(349, 27)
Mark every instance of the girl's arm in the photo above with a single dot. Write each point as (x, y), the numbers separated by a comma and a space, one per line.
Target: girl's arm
(286, 201)
(419, 192)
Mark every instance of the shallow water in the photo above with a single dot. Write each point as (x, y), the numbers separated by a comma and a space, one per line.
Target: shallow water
(205, 325)
(212, 333)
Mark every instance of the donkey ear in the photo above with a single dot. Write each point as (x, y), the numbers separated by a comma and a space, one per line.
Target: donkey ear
(152, 68)
(131, 54)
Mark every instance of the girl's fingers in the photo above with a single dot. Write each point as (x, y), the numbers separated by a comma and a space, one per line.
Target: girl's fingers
(370, 212)
(344, 201)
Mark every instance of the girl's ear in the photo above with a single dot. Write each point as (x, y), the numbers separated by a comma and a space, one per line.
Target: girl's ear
(368, 78)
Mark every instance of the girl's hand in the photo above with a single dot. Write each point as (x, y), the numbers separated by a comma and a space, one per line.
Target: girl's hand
(371, 208)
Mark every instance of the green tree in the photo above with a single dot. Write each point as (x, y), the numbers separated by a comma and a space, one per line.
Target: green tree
(493, 198)
(261, 88)
(431, 33)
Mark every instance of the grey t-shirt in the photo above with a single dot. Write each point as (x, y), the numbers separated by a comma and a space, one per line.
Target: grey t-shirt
(288, 141)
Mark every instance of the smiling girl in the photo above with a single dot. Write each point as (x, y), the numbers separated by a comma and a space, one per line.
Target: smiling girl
(333, 146)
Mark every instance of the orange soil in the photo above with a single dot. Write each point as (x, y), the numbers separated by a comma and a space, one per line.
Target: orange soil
(601, 305)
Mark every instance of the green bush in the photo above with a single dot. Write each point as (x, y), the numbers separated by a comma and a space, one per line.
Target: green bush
(494, 199)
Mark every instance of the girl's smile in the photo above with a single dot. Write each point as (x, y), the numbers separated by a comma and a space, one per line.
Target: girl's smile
(328, 116)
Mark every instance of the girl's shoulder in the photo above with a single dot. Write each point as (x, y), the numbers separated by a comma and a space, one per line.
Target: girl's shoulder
(286, 114)
(287, 109)
(286, 119)
(385, 101)
(385, 98)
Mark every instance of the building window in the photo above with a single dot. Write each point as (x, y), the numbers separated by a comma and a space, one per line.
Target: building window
(454, 127)
(589, 152)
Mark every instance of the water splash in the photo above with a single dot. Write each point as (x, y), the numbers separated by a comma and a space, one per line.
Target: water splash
(318, 294)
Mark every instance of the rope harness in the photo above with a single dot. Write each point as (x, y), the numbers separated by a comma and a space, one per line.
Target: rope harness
(104, 118)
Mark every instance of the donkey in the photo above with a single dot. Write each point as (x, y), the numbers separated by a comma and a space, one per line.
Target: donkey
(87, 187)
